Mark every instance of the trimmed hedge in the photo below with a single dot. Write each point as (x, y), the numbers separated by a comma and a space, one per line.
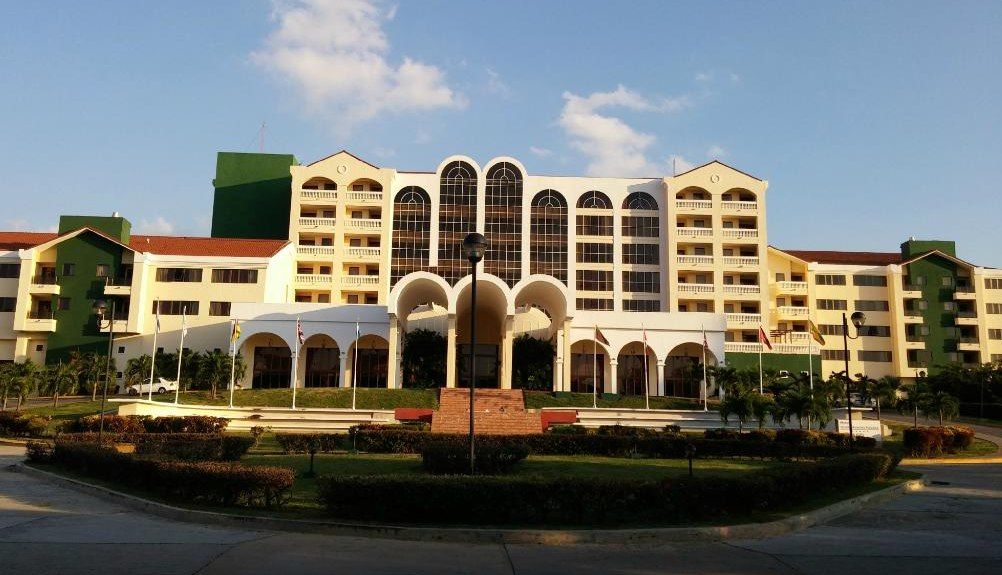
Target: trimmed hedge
(15, 424)
(184, 446)
(454, 459)
(311, 442)
(931, 442)
(208, 482)
(522, 500)
(147, 424)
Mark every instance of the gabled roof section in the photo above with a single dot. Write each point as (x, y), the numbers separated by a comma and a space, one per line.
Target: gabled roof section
(719, 163)
(941, 254)
(847, 258)
(202, 246)
(12, 241)
(347, 153)
(786, 254)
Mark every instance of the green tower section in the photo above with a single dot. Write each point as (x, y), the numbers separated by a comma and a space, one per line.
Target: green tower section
(778, 361)
(253, 195)
(77, 261)
(937, 277)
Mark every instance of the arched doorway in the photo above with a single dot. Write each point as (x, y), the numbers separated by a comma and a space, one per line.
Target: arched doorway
(420, 301)
(631, 371)
(322, 365)
(372, 365)
(589, 364)
(271, 361)
(540, 318)
(492, 314)
(684, 370)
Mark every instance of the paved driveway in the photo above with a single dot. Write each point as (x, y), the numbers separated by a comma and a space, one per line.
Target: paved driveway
(949, 528)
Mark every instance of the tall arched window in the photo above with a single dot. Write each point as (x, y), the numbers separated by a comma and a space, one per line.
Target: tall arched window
(411, 232)
(503, 222)
(548, 235)
(640, 201)
(594, 229)
(595, 201)
(637, 226)
(457, 216)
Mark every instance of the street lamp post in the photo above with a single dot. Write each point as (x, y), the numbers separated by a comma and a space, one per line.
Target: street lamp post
(99, 309)
(473, 245)
(858, 320)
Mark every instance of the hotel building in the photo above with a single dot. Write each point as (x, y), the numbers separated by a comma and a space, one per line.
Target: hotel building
(356, 252)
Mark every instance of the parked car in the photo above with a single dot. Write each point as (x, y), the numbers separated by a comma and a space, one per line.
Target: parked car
(161, 386)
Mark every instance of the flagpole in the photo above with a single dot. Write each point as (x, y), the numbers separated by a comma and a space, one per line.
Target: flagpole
(233, 358)
(180, 353)
(706, 389)
(295, 364)
(594, 370)
(153, 356)
(760, 346)
(354, 367)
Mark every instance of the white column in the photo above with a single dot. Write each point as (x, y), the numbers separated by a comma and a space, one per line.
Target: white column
(661, 378)
(567, 356)
(611, 384)
(507, 340)
(450, 353)
(342, 379)
(391, 360)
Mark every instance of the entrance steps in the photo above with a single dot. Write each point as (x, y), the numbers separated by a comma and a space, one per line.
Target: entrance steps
(498, 412)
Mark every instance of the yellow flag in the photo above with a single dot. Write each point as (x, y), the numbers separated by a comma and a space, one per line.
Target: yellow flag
(236, 332)
(815, 332)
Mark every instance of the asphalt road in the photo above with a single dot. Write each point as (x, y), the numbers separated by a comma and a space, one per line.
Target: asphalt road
(46, 529)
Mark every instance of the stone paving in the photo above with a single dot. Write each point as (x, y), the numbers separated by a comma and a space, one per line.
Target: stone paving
(948, 528)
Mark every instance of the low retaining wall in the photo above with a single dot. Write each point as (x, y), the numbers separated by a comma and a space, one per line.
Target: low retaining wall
(691, 420)
(277, 418)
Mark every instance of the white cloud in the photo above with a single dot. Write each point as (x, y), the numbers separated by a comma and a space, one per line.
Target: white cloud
(18, 225)
(677, 164)
(704, 76)
(158, 226)
(613, 146)
(716, 151)
(335, 54)
(541, 152)
(497, 86)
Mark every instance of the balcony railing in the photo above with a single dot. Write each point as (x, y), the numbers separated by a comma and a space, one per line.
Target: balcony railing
(359, 280)
(314, 279)
(695, 288)
(694, 204)
(791, 287)
(968, 340)
(793, 311)
(317, 222)
(318, 196)
(741, 289)
(911, 287)
(740, 261)
(364, 224)
(739, 206)
(315, 250)
(740, 233)
(915, 338)
(695, 260)
(964, 289)
(361, 253)
(364, 197)
(742, 347)
(916, 364)
(913, 313)
(44, 280)
(744, 318)
(690, 232)
(41, 314)
(967, 314)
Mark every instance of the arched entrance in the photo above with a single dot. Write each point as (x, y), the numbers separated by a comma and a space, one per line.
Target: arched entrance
(684, 370)
(589, 366)
(271, 361)
(540, 319)
(420, 301)
(631, 371)
(372, 364)
(322, 364)
(494, 317)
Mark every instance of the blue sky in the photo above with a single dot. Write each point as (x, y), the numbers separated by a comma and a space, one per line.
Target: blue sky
(872, 121)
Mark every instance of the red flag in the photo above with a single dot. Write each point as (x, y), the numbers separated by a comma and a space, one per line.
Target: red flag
(762, 338)
(599, 337)
(301, 336)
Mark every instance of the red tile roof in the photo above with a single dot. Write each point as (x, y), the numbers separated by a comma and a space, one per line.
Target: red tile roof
(163, 245)
(847, 258)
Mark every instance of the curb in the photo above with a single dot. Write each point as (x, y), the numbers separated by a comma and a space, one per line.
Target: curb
(957, 461)
(13, 442)
(477, 535)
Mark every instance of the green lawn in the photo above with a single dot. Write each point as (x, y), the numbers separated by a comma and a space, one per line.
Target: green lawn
(980, 447)
(70, 411)
(304, 492)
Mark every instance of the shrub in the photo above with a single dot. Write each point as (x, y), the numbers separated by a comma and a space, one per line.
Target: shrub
(963, 436)
(15, 424)
(720, 434)
(209, 482)
(922, 442)
(673, 429)
(186, 424)
(310, 442)
(38, 451)
(453, 458)
(112, 424)
(184, 446)
(567, 430)
(758, 435)
(792, 436)
(257, 431)
(625, 431)
(530, 500)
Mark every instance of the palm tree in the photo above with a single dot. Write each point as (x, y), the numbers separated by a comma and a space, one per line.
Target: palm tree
(25, 381)
(58, 379)
(884, 390)
(940, 403)
(911, 401)
(762, 407)
(8, 372)
(137, 370)
(213, 368)
(797, 402)
(737, 404)
(776, 384)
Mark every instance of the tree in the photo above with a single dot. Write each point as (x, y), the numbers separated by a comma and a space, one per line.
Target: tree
(762, 407)
(797, 401)
(89, 367)
(775, 383)
(8, 371)
(137, 370)
(214, 369)
(738, 404)
(883, 390)
(532, 363)
(939, 403)
(911, 400)
(58, 379)
(25, 381)
(423, 359)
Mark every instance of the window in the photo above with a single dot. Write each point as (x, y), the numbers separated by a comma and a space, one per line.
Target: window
(179, 275)
(950, 306)
(503, 222)
(829, 280)
(990, 283)
(946, 281)
(594, 280)
(994, 308)
(548, 235)
(641, 305)
(233, 276)
(594, 201)
(832, 304)
(457, 216)
(591, 253)
(10, 270)
(867, 280)
(411, 241)
(121, 349)
(878, 356)
(642, 282)
(7, 304)
(219, 308)
(63, 303)
(352, 298)
(69, 269)
(875, 331)
(871, 305)
(645, 254)
(830, 329)
(594, 303)
(103, 270)
(40, 347)
(594, 226)
(640, 226)
(176, 307)
(997, 358)
(640, 201)
(995, 334)
(833, 354)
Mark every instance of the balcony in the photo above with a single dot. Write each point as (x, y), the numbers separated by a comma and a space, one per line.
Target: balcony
(694, 260)
(911, 291)
(740, 261)
(791, 288)
(318, 196)
(968, 344)
(740, 234)
(359, 281)
(738, 289)
(914, 341)
(40, 321)
(739, 206)
(118, 286)
(363, 224)
(913, 316)
(325, 252)
(317, 223)
(121, 325)
(364, 198)
(694, 204)
(44, 285)
(361, 253)
(793, 312)
(695, 288)
(795, 348)
(967, 318)
(689, 232)
(964, 293)
(315, 279)
(742, 347)
(750, 319)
